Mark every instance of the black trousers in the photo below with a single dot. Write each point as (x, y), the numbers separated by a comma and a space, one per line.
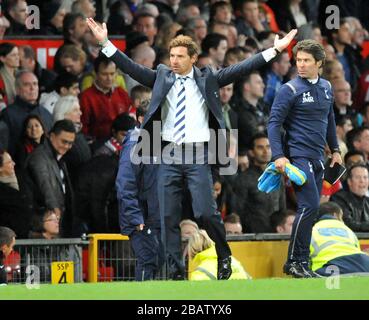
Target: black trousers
(199, 181)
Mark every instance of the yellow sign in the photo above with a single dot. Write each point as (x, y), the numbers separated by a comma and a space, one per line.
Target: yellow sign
(62, 272)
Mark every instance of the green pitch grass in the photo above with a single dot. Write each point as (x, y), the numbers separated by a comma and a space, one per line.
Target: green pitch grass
(270, 289)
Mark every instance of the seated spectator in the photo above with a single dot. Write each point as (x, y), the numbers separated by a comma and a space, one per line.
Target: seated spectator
(274, 78)
(33, 134)
(204, 258)
(204, 60)
(120, 18)
(355, 201)
(334, 246)
(16, 12)
(216, 46)
(7, 242)
(68, 108)
(103, 102)
(228, 30)
(232, 224)
(235, 55)
(166, 33)
(28, 61)
(52, 16)
(253, 206)
(71, 59)
(290, 14)
(52, 186)
(249, 22)
(65, 84)
(353, 157)
(223, 195)
(333, 70)
(9, 63)
(26, 103)
(45, 226)
(282, 221)
(16, 204)
(84, 7)
(358, 139)
(199, 26)
(113, 146)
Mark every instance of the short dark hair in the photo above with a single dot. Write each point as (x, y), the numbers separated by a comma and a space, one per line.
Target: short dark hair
(6, 236)
(311, 46)
(29, 53)
(212, 40)
(279, 217)
(63, 125)
(329, 208)
(215, 6)
(144, 15)
(138, 90)
(351, 153)
(65, 80)
(256, 136)
(69, 23)
(102, 60)
(354, 166)
(354, 135)
(5, 49)
(123, 122)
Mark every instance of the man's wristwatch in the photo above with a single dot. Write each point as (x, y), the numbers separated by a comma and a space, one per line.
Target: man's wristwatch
(336, 150)
(276, 50)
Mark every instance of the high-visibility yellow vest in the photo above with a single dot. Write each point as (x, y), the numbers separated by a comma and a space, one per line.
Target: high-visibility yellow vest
(331, 239)
(205, 267)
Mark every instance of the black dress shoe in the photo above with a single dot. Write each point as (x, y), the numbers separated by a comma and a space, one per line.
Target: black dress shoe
(224, 268)
(299, 269)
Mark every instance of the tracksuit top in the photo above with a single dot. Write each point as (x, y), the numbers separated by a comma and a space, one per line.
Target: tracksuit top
(305, 111)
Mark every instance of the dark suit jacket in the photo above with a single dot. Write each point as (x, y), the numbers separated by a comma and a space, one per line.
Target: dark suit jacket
(208, 81)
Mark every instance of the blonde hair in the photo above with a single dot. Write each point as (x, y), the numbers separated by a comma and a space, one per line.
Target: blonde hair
(63, 106)
(198, 242)
(185, 41)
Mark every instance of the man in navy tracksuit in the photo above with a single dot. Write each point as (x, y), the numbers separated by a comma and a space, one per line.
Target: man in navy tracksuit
(304, 108)
(139, 215)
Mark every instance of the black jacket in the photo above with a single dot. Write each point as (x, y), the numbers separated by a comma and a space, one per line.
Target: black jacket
(355, 210)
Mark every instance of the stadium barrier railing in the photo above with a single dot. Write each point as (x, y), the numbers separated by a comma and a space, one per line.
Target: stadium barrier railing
(38, 255)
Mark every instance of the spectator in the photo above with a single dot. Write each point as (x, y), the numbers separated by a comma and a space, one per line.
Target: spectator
(26, 85)
(146, 23)
(274, 78)
(253, 206)
(16, 13)
(33, 134)
(9, 63)
(119, 129)
(102, 102)
(120, 18)
(53, 14)
(167, 7)
(343, 125)
(334, 245)
(251, 110)
(71, 59)
(249, 23)
(232, 224)
(333, 70)
(74, 33)
(216, 46)
(166, 33)
(45, 226)
(353, 157)
(358, 139)
(341, 40)
(16, 204)
(204, 60)
(236, 55)
(230, 116)
(282, 221)
(355, 201)
(228, 30)
(68, 108)
(65, 84)
(49, 174)
(84, 7)
(221, 11)
(342, 101)
(199, 26)
(29, 62)
(186, 11)
(7, 242)
(204, 259)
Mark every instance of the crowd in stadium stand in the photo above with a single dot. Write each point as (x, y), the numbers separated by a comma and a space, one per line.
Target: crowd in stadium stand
(61, 129)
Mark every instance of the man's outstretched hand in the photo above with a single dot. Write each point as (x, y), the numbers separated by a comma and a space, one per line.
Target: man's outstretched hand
(281, 44)
(100, 33)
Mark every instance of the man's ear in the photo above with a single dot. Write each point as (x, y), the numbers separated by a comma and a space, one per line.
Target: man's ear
(194, 58)
(319, 64)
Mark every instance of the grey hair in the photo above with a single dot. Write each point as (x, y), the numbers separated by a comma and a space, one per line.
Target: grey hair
(63, 106)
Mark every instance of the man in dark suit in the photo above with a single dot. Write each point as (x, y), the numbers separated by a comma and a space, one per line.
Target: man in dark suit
(186, 100)
(50, 176)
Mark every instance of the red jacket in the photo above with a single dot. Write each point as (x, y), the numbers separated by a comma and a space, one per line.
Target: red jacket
(100, 109)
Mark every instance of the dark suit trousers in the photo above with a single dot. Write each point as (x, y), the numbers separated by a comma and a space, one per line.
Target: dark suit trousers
(171, 180)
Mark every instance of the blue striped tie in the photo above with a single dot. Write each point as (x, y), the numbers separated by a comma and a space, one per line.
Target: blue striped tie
(179, 124)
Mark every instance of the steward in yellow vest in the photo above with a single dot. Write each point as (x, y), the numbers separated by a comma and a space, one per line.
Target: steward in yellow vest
(334, 247)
